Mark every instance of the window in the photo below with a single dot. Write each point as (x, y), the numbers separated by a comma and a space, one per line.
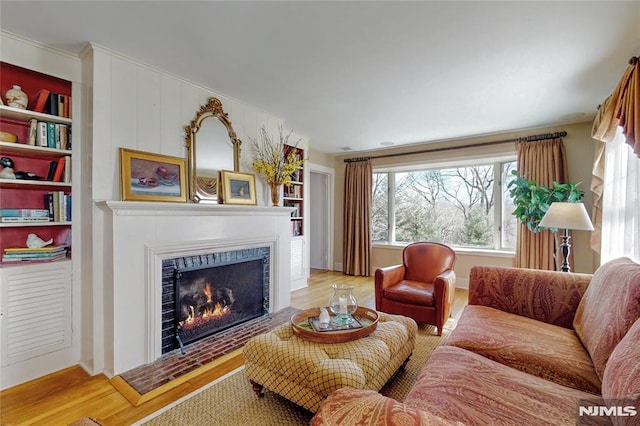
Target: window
(620, 202)
(465, 206)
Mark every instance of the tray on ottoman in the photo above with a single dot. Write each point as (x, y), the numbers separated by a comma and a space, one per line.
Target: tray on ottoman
(368, 318)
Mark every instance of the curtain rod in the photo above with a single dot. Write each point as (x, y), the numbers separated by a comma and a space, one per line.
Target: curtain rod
(532, 138)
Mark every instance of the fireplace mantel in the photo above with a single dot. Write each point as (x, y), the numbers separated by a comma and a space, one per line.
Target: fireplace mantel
(133, 208)
(138, 235)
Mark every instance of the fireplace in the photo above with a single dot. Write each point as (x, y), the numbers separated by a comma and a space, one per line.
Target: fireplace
(206, 294)
(144, 244)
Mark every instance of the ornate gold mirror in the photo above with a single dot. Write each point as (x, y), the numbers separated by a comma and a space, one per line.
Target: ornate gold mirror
(212, 146)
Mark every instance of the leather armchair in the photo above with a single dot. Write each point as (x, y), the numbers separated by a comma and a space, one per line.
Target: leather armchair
(422, 287)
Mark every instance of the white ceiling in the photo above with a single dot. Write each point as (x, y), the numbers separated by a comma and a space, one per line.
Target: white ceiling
(358, 74)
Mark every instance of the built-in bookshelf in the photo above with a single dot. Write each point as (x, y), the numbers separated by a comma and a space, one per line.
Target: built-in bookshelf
(35, 196)
(294, 194)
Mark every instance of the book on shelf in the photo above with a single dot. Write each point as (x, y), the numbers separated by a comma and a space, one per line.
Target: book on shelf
(26, 219)
(40, 100)
(63, 206)
(39, 255)
(24, 213)
(48, 204)
(58, 105)
(34, 258)
(33, 131)
(46, 249)
(51, 134)
(62, 136)
(58, 205)
(68, 205)
(52, 170)
(58, 174)
(67, 169)
(52, 104)
(41, 135)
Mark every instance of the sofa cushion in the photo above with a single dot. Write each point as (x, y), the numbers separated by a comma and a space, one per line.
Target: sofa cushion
(608, 309)
(621, 381)
(349, 406)
(460, 385)
(544, 350)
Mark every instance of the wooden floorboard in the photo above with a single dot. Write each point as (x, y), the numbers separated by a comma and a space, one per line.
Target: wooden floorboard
(65, 396)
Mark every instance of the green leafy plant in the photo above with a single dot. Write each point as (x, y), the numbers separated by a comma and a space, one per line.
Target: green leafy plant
(532, 200)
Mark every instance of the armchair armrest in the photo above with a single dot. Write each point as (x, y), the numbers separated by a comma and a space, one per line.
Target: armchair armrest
(445, 289)
(385, 277)
(548, 296)
(349, 406)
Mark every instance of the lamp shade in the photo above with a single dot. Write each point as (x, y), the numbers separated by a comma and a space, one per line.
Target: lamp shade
(567, 216)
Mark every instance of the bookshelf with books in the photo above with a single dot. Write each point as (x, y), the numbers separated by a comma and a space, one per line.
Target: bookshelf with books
(35, 175)
(294, 195)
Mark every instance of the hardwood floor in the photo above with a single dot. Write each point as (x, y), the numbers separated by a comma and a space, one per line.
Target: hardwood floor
(67, 395)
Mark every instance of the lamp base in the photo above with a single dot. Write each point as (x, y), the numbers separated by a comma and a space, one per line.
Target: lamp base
(566, 249)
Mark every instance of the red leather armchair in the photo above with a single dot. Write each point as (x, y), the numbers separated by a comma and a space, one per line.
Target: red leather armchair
(422, 287)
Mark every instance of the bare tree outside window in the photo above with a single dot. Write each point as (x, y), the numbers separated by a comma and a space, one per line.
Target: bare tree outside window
(380, 208)
(454, 206)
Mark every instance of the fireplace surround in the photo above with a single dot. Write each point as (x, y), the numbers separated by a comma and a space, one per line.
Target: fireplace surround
(138, 237)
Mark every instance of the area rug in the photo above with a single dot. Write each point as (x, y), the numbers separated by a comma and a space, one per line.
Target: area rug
(231, 401)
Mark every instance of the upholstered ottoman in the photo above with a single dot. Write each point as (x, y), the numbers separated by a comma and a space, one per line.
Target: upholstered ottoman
(306, 372)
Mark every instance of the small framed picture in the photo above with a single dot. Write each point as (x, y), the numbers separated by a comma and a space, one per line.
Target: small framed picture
(145, 176)
(238, 188)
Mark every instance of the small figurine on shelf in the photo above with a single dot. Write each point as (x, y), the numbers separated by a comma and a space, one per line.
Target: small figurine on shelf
(33, 241)
(8, 173)
(7, 168)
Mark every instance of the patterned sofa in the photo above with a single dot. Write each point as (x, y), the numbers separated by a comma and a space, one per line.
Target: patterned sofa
(530, 348)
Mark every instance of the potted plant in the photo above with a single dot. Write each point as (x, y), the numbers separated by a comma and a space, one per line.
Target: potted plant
(532, 200)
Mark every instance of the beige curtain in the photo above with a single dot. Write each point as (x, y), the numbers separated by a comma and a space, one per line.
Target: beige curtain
(544, 162)
(622, 109)
(358, 184)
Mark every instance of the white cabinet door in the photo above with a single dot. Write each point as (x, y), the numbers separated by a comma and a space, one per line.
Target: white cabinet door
(35, 303)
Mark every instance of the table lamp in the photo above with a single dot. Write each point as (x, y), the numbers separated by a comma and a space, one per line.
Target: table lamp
(566, 216)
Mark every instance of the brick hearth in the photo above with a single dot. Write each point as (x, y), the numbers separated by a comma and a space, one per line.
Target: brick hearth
(173, 364)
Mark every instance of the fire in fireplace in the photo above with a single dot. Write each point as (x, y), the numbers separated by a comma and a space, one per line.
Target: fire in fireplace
(215, 296)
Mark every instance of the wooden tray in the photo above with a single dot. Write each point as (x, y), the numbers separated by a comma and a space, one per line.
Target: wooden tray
(302, 329)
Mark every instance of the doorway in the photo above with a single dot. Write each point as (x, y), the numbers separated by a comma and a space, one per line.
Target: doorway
(320, 219)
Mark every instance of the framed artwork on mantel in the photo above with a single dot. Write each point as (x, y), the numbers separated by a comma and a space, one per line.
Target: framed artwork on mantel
(238, 188)
(146, 176)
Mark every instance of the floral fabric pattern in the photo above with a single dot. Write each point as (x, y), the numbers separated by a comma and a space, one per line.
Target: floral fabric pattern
(621, 381)
(547, 296)
(460, 385)
(544, 350)
(368, 408)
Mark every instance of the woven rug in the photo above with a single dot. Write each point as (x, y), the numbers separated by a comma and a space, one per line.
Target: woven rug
(231, 401)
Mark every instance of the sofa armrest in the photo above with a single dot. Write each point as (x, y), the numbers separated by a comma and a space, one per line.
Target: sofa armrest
(349, 406)
(548, 296)
(384, 277)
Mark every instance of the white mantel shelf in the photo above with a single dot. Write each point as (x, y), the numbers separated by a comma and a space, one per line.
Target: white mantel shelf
(135, 208)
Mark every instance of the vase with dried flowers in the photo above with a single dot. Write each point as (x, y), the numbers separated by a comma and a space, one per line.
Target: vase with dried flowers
(275, 160)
